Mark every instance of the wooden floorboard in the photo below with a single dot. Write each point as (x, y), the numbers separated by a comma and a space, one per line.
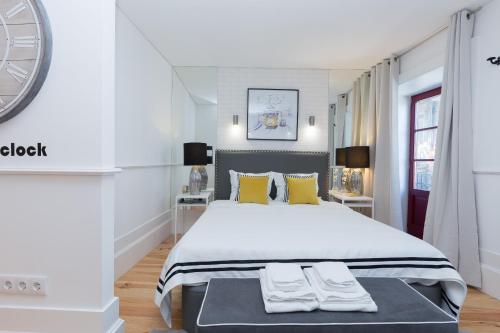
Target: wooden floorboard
(481, 313)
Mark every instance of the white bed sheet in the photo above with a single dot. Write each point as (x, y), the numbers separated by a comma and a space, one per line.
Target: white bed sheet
(235, 240)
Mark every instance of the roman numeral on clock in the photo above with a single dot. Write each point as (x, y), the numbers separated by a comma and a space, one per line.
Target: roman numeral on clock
(23, 41)
(16, 10)
(19, 74)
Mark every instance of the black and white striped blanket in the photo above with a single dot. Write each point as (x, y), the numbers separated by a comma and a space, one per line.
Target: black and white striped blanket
(236, 240)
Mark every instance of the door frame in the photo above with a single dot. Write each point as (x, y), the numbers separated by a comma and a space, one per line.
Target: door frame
(411, 190)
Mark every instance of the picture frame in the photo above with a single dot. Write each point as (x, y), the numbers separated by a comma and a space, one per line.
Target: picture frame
(272, 114)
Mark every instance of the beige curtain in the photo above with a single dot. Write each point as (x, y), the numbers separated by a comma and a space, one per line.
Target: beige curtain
(361, 92)
(375, 124)
(386, 181)
(340, 120)
(356, 113)
(369, 128)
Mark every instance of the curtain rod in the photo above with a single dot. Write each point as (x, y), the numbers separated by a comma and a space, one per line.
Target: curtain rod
(397, 56)
(433, 35)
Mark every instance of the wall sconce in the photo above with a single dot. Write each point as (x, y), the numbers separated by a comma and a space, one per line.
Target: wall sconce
(235, 119)
(312, 120)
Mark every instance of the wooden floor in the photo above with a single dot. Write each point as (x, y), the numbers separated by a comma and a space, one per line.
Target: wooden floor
(481, 313)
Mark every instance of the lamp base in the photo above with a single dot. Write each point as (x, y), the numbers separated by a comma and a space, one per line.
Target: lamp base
(204, 178)
(345, 180)
(356, 181)
(337, 179)
(195, 180)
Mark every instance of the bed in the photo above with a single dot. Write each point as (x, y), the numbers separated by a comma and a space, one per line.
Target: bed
(236, 240)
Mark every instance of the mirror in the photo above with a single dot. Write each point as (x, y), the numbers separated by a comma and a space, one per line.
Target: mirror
(200, 83)
(341, 82)
(194, 109)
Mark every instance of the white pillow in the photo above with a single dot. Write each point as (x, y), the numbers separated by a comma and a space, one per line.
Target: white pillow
(280, 182)
(235, 182)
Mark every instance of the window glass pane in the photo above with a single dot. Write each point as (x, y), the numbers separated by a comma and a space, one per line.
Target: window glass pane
(427, 112)
(422, 177)
(425, 144)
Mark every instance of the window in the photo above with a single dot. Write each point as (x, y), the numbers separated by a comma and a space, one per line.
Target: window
(424, 121)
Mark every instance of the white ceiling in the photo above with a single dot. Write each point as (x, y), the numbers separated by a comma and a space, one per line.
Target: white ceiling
(344, 34)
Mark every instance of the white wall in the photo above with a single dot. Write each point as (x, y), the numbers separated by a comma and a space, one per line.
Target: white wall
(155, 116)
(144, 145)
(232, 99)
(57, 212)
(486, 108)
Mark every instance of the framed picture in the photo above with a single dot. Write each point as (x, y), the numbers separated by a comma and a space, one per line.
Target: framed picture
(272, 114)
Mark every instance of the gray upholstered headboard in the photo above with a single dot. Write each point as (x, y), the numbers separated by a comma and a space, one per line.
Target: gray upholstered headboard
(262, 161)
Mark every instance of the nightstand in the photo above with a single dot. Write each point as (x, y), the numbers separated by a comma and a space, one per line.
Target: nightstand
(186, 201)
(353, 201)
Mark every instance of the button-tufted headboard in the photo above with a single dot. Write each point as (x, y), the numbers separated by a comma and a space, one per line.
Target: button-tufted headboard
(262, 161)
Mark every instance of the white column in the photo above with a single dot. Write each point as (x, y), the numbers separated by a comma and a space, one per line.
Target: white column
(57, 212)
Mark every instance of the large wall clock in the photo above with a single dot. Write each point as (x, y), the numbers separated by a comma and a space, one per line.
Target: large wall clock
(25, 54)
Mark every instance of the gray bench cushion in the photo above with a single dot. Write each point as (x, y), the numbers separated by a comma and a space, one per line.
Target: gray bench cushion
(192, 297)
(235, 305)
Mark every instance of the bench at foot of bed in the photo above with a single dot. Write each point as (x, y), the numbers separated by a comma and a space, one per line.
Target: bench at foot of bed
(235, 305)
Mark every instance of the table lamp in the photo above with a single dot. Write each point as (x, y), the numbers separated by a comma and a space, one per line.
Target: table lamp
(357, 158)
(195, 154)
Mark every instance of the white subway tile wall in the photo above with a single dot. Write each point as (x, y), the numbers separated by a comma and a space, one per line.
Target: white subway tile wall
(232, 100)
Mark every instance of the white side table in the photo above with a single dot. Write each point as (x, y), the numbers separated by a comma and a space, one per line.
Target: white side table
(353, 201)
(186, 200)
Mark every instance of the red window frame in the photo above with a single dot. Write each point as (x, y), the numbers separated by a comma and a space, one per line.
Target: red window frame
(413, 132)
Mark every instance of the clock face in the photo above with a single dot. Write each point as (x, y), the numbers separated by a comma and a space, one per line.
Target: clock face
(25, 52)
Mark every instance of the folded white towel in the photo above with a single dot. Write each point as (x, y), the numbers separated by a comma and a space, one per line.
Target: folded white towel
(274, 303)
(344, 288)
(359, 293)
(285, 277)
(348, 307)
(334, 275)
(304, 293)
(359, 300)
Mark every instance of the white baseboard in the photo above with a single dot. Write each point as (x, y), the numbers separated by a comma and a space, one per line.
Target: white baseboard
(62, 320)
(136, 244)
(491, 281)
(490, 268)
(119, 327)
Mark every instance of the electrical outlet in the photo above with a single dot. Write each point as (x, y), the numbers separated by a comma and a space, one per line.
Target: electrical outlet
(23, 285)
(38, 285)
(7, 285)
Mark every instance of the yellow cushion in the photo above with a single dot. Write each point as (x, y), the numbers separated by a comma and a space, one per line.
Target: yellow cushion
(302, 191)
(253, 189)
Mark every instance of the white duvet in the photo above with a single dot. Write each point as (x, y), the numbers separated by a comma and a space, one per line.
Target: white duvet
(235, 240)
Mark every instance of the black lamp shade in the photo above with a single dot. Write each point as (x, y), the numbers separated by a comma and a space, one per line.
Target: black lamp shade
(195, 153)
(357, 157)
(340, 156)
